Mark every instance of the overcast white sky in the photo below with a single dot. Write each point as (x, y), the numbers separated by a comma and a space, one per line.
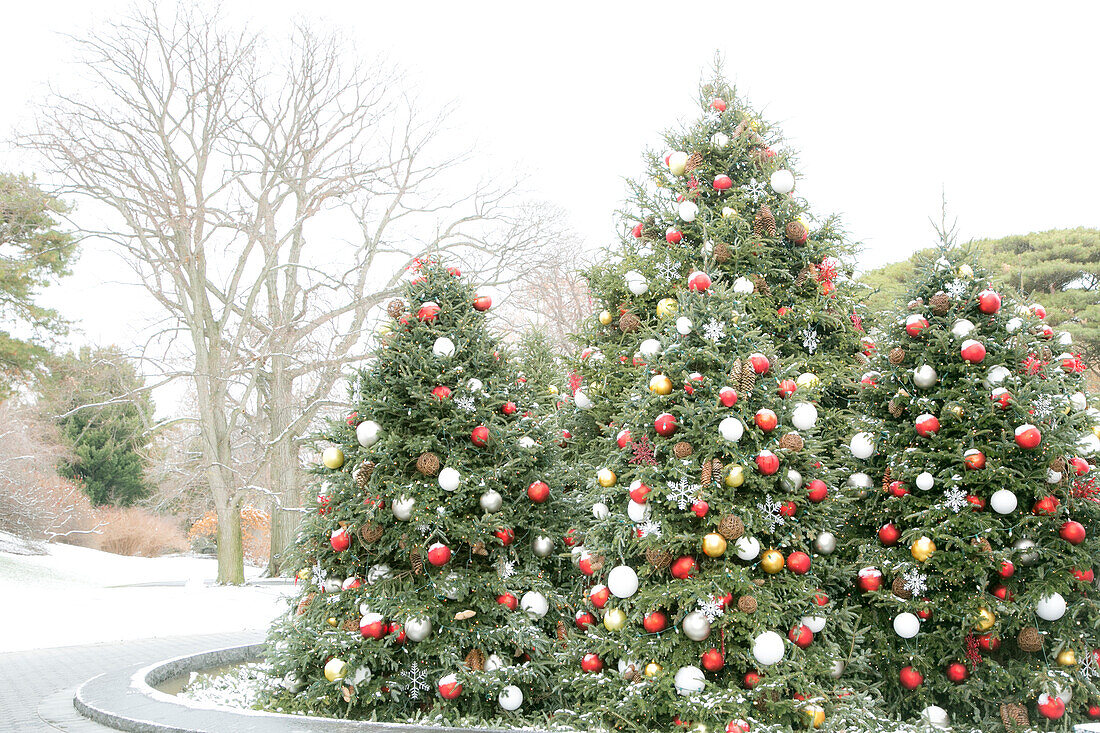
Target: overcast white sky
(886, 102)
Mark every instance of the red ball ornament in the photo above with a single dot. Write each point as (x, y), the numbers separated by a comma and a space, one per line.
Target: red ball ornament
(972, 351)
(483, 303)
(599, 595)
(1085, 576)
(925, 611)
(700, 508)
(584, 619)
(1094, 711)
(718, 103)
(788, 509)
(673, 235)
(623, 438)
(665, 424)
(480, 436)
(508, 600)
(637, 230)
(869, 579)
(914, 324)
(927, 425)
(1044, 331)
(572, 537)
(1038, 310)
(897, 488)
(538, 492)
(428, 311)
(737, 726)
(1045, 506)
(820, 598)
(956, 672)
(910, 678)
(441, 392)
(974, 459)
(722, 182)
(1001, 397)
(371, 626)
(340, 539)
(766, 420)
(683, 567)
(1028, 436)
(727, 396)
(989, 302)
(508, 408)
(654, 622)
(767, 462)
(585, 563)
(713, 660)
(750, 680)
(888, 534)
(787, 387)
(591, 663)
(1052, 708)
(818, 491)
(760, 363)
(976, 503)
(1072, 532)
(639, 492)
(449, 687)
(989, 642)
(798, 563)
(1080, 465)
(353, 419)
(801, 636)
(1007, 569)
(505, 535)
(698, 281)
(1001, 592)
(439, 554)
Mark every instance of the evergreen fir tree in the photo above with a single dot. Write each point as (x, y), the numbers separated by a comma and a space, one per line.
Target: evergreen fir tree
(427, 589)
(978, 537)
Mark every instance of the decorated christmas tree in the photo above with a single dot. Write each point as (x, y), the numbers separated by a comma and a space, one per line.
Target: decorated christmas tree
(425, 581)
(978, 536)
(708, 397)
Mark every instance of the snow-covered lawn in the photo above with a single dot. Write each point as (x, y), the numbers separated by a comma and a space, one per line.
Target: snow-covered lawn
(70, 596)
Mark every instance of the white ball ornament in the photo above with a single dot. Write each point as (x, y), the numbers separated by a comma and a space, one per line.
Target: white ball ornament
(493, 663)
(996, 375)
(491, 501)
(650, 348)
(637, 512)
(804, 416)
(1065, 338)
(1051, 608)
(925, 376)
(677, 162)
(687, 210)
(906, 625)
(636, 282)
(534, 603)
(292, 682)
(622, 581)
(449, 479)
(792, 481)
(600, 510)
(688, 680)
(837, 670)
(475, 385)
(814, 623)
(719, 139)
(825, 543)
(767, 648)
(925, 481)
(542, 545)
(1079, 400)
(860, 480)
(378, 572)
(683, 325)
(1003, 501)
(747, 548)
(743, 286)
(935, 717)
(695, 626)
(443, 347)
(402, 507)
(1014, 324)
(782, 181)
(962, 328)
(526, 442)
(807, 380)
(731, 429)
(367, 433)
(510, 698)
(862, 445)
(418, 629)
(582, 400)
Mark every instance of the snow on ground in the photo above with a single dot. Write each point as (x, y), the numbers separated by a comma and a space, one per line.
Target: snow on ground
(72, 595)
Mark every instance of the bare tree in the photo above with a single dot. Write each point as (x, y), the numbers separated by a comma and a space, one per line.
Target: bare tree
(233, 169)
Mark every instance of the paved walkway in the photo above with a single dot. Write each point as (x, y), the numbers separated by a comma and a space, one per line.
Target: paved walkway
(29, 677)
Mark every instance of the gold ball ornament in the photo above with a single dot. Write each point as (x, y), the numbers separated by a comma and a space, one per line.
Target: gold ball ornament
(666, 307)
(735, 477)
(304, 574)
(815, 715)
(1067, 658)
(728, 212)
(660, 384)
(714, 545)
(332, 457)
(922, 549)
(653, 669)
(956, 411)
(331, 621)
(614, 619)
(772, 561)
(966, 272)
(606, 477)
(1096, 431)
(552, 389)
(605, 318)
(986, 619)
(336, 669)
(807, 380)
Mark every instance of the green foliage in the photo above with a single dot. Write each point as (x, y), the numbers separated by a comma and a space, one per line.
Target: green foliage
(1059, 268)
(396, 392)
(106, 414)
(963, 575)
(33, 253)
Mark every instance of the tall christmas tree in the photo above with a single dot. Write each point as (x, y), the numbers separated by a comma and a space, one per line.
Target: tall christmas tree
(707, 397)
(977, 552)
(425, 584)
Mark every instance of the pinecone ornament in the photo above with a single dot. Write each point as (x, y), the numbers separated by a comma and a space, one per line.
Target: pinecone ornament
(760, 285)
(895, 408)
(371, 532)
(792, 442)
(940, 303)
(362, 474)
(303, 605)
(711, 471)
(763, 223)
(694, 161)
(475, 660)
(1014, 716)
(748, 379)
(682, 449)
(428, 464)
(658, 559)
(806, 274)
(629, 323)
(898, 587)
(1029, 639)
(731, 527)
(478, 548)
(350, 624)
(722, 252)
(416, 561)
(746, 604)
(896, 355)
(796, 232)
(395, 308)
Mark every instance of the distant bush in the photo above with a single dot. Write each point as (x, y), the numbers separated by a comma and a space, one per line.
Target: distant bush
(255, 533)
(137, 532)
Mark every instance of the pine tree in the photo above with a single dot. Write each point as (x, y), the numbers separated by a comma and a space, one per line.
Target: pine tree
(426, 567)
(723, 310)
(976, 544)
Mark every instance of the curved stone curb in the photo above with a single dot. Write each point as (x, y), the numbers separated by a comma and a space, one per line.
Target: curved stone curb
(125, 700)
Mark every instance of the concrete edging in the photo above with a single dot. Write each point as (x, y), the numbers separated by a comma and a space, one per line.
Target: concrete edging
(125, 700)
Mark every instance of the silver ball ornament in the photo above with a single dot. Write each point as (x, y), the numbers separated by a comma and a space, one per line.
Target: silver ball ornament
(696, 627)
(542, 545)
(491, 501)
(825, 543)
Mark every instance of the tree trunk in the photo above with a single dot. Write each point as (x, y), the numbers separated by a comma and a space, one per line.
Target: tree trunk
(230, 547)
(285, 478)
